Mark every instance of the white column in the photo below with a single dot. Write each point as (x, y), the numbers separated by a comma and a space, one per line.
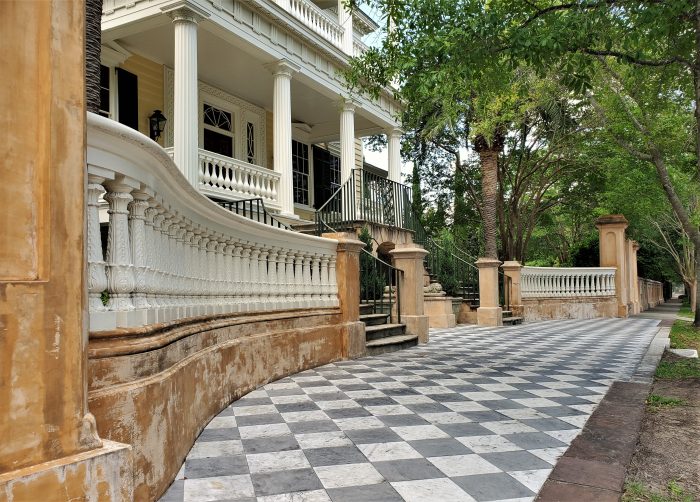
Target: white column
(345, 22)
(347, 140)
(282, 133)
(186, 94)
(393, 137)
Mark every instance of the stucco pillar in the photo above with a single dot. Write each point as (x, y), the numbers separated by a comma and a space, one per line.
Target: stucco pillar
(345, 22)
(633, 279)
(394, 139)
(409, 259)
(613, 251)
(489, 312)
(282, 133)
(347, 139)
(186, 93)
(49, 447)
(511, 269)
(347, 271)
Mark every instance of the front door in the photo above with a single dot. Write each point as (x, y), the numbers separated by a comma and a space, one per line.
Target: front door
(326, 175)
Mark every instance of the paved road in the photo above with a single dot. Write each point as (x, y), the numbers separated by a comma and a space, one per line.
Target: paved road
(476, 414)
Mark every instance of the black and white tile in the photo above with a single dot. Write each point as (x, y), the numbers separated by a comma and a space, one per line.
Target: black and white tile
(476, 414)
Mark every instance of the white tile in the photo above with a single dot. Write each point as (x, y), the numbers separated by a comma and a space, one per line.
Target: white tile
(433, 389)
(340, 476)
(462, 406)
(482, 396)
(536, 402)
(523, 413)
(304, 416)
(547, 393)
(304, 379)
(445, 418)
(206, 449)
(389, 409)
(488, 444)
(338, 404)
(550, 455)
(260, 409)
(577, 420)
(558, 385)
(388, 385)
(264, 431)
(354, 423)
(296, 398)
(586, 408)
(533, 479)
(412, 399)
(181, 473)
(507, 427)
(322, 440)
(377, 452)
(222, 423)
(310, 496)
(510, 379)
(463, 465)
(277, 461)
(364, 394)
(416, 432)
(218, 488)
(281, 386)
(323, 389)
(567, 435)
(496, 387)
(431, 490)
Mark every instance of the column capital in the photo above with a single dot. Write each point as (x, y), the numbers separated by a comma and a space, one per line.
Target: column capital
(394, 131)
(612, 220)
(185, 11)
(347, 104)
(283, 67)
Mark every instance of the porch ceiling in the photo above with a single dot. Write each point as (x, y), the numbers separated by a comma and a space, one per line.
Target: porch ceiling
(240, 70)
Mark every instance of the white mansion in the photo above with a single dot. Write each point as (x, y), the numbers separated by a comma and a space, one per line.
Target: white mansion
(253, 93)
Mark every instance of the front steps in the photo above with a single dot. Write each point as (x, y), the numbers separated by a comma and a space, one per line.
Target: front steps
(509, 320)
(382, 336)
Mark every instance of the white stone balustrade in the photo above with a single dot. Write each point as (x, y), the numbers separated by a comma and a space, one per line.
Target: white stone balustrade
(230, 178)
(552, 282)
(173, 254)
(315, 19)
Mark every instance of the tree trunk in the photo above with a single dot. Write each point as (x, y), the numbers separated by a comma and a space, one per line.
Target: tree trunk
(93, 40)
(693, 296)
(488, 155)
(694, 290)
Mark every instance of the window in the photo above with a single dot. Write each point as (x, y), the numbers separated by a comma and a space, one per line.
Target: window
(104, 91)
(250, 142)
(326, 175)
(218, 131)
(128, 98)
(300, 172)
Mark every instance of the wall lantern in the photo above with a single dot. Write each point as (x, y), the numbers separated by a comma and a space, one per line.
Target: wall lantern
(157, 124)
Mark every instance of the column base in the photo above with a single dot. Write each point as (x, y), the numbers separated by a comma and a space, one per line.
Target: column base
(103, 474)
(489, 316)
(355, 343)
(622, 311)
(416, 325)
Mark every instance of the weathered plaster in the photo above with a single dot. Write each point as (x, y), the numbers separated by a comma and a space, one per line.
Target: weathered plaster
(590, 307)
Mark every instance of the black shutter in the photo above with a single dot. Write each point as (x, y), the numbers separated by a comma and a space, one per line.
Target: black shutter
(127, 88)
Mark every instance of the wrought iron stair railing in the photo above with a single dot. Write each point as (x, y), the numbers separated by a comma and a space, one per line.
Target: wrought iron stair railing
(253, 209)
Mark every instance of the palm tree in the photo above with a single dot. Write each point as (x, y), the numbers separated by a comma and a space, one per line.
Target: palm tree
(93, 41)
(488, 150)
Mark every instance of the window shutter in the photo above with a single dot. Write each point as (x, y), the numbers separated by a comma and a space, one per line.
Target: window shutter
(127, 88)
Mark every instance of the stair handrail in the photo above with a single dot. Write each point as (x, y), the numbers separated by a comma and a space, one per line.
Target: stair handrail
(395, 277)
(267, 217)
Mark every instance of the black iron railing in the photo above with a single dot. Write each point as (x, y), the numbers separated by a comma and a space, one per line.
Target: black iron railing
(380, 285)
(366, 197)
(253, 209)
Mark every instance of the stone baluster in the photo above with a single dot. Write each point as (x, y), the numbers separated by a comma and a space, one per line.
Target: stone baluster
(221, 271)
(333, 282)
(245, 297)
(255, 290)
(299, 287)
(263, 278)
(156, 296)
(308, 285)
(137, 215)
(324, 280)
(316, 280)
(97, 275)
(275, 285)
(151, 253)
(290, 281)
(120, 274)
(212, 300)
(182, 253)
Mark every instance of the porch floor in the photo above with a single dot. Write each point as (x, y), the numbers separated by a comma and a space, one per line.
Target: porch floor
(476, 414)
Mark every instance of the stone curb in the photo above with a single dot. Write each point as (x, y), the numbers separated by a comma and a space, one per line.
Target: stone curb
(593, 468)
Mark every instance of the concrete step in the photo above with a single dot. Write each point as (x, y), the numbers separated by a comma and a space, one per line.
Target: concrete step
(366, 308)
(383, 331)
(512, 320)
(391, 344)
(374, 319)
(507, 313)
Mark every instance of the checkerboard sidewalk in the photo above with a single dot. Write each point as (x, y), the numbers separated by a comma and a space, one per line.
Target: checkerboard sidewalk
(476, 414)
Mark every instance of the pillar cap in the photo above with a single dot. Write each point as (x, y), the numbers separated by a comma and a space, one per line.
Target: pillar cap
(511, 265)
(185, 10)
(612, 219)
(408, 252)
(283, 67)
(487, 262)
(346, 241)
